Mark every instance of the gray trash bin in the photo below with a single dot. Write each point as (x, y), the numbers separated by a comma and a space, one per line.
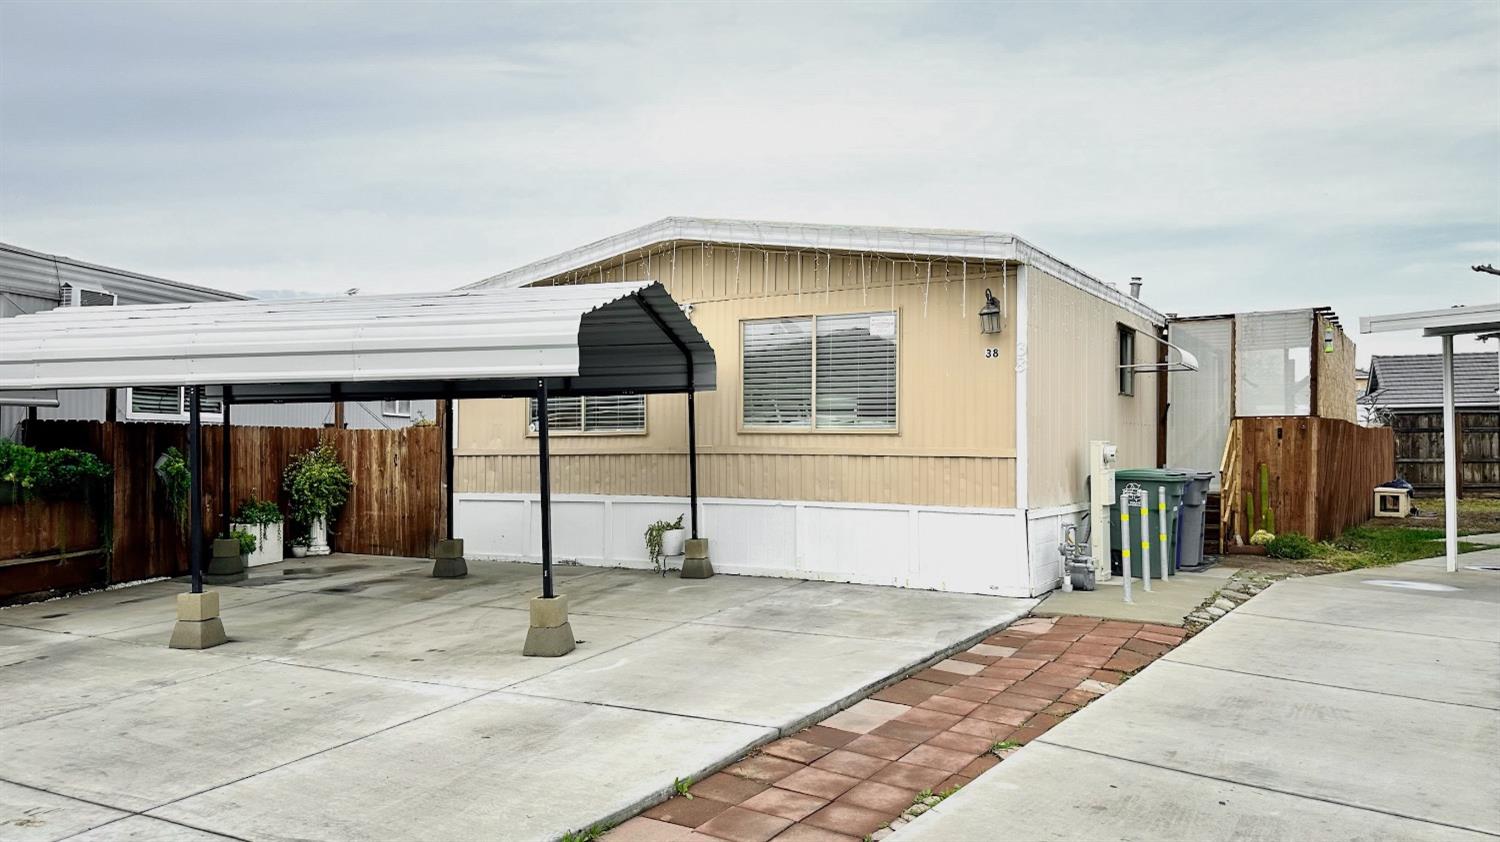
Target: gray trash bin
(1190, 524)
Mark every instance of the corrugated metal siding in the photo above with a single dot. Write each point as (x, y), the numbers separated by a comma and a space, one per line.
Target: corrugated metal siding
(1073, 389)
(37, 274)
(16, 303)
(956, 439)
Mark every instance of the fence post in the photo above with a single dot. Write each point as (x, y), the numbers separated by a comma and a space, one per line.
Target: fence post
(1125, 542)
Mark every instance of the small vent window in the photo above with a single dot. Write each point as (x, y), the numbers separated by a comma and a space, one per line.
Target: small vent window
(396, 409)
(169, 403)
(598, 414)
(1127, 360)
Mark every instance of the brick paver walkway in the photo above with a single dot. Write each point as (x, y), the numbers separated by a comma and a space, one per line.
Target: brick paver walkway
(851, 774)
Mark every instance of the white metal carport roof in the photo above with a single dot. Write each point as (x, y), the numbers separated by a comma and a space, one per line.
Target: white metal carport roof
(587, 339)
(1454, 321)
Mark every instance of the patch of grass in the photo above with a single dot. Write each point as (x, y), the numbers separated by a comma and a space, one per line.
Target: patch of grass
(681, 787)
(1004, 745)
(1371, 546)
(592, 833)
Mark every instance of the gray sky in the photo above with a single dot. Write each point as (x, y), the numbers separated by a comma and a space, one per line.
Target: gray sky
(1252, 156)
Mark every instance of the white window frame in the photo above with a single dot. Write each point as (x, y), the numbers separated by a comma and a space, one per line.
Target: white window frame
(392, 409)
(531, 430)
(812, 421)
(182, 414)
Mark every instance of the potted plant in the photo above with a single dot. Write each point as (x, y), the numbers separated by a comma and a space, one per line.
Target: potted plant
(317, 485)
(299, 546)
(262, 520)
(664, 539)
(247, 545)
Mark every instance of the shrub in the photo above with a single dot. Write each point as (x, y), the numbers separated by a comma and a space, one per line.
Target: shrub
(1291, 545)
(316, 484)
(257, 512)
(62, 474)
(247, 541)
(1261, 538)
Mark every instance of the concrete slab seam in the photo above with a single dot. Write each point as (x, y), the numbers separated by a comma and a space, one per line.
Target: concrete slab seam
(1180, 663)
(1263, 788)
(1246, 609)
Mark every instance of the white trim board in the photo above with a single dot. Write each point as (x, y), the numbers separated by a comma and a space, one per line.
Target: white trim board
(966, 550)
(864, 239)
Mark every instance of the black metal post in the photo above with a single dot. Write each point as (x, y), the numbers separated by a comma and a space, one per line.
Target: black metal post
(687, 356)
(195, 488)
(546, 478)
(448, 460)
(225, 469)
(692, 450)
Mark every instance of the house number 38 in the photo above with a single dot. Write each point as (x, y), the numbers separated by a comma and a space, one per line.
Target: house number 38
(991, 353)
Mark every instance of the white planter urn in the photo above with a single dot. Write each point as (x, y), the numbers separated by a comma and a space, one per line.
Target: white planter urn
(317, 537)
(671, 542)
(268, 536)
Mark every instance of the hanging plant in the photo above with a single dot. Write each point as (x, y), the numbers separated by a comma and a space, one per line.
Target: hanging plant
(176, 481)
(316, 483)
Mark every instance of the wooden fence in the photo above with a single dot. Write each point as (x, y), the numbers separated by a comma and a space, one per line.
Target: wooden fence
(1419, 450)
(1320, 474)
(395, 507)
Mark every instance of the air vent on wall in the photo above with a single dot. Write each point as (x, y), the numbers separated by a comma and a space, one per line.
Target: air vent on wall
(81, 296)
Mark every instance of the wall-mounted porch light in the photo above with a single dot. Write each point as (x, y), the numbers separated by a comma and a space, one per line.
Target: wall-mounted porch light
(989, 314)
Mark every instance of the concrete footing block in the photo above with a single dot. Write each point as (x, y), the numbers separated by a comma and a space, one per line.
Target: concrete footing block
(226, 566)
(198, 625)
(550, 635)
(549, 643)
(696, 568)
(695, 548)
(448, 559)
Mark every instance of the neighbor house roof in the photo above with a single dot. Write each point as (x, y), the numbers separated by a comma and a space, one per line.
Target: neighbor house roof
(942, 243)
(1416, 381)
(41, 275)
(585, 339)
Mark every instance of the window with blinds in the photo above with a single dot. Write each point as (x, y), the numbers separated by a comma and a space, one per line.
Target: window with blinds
(612, 414)
(396, 409)
(823, 372)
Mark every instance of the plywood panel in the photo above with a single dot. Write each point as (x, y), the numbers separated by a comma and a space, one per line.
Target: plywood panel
(1337, 390)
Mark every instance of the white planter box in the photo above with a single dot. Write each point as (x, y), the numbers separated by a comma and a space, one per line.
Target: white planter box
(267, 542)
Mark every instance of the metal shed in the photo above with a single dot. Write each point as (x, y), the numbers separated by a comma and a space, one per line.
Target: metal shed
(602, 339)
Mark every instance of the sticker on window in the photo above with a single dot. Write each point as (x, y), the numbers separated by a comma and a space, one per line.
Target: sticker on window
(883, 325)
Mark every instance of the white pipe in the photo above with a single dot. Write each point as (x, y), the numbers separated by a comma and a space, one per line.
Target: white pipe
(1450, 457)
(1161, 537)
(1125, 544)
(1145, 543)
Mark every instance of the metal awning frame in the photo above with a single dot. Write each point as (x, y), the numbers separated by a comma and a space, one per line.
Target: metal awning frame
(627, 338)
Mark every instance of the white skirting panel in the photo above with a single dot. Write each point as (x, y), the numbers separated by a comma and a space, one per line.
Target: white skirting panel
(1044, 531)
(939, 548)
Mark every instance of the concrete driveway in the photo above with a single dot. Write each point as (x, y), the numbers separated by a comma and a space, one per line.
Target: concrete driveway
(1361, 705)
(361, 699)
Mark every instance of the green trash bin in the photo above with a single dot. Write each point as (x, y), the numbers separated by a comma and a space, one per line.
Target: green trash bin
(1151, 481)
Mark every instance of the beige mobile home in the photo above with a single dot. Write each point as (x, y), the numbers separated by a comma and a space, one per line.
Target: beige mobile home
(865, 428)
